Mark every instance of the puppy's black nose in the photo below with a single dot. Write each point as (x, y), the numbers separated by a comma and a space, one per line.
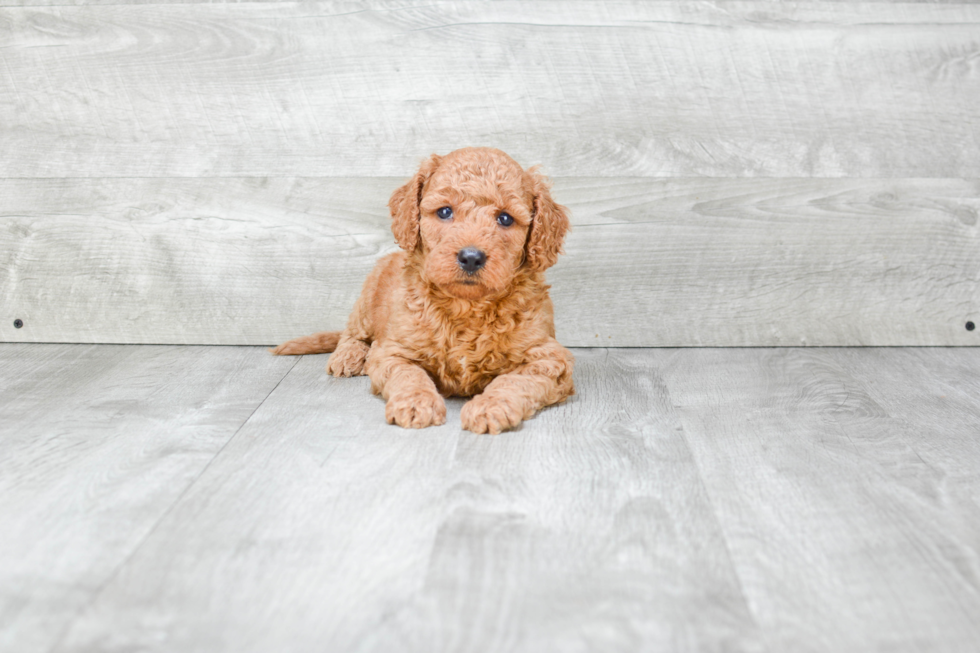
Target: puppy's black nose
(471, 259)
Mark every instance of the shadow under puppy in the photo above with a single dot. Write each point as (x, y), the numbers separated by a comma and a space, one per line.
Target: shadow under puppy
(464, 309)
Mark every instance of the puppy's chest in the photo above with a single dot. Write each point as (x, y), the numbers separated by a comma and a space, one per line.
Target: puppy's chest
(463, 359)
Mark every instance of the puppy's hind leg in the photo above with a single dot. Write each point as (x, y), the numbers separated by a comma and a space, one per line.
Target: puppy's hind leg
(318, 343)
(349, 357)
(350, 347)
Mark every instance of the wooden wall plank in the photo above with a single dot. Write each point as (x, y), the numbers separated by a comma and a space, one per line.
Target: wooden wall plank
(777, 263)
(85, 3)
(186, 261)
(589, 88)
(97, 444)
(650, 262)
(81, 3)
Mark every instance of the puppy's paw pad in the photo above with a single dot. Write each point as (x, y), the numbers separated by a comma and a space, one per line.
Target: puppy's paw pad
(348, 359)
(416, 410)
(490, 415)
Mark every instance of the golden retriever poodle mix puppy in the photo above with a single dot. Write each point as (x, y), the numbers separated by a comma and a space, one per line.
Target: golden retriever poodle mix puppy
(464, 309)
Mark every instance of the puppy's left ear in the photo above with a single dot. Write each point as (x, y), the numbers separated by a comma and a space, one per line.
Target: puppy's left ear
(404, 205)
(549, 224)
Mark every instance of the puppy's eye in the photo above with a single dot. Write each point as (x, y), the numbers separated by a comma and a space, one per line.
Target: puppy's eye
(504, 220)
(445, 213)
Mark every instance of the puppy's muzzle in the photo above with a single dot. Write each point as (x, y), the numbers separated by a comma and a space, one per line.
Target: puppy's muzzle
(471, 259)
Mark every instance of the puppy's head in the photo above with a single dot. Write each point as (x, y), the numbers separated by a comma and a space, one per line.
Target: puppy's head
(477, 219)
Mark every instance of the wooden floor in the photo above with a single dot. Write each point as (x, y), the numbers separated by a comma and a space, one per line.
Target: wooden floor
(157, 498)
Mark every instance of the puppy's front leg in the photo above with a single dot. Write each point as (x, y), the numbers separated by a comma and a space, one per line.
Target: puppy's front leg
(412, 398)
(510, 398)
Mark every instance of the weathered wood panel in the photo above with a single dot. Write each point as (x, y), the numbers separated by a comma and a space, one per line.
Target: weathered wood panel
(588, 88)
(96, 445)
(650, 262)
(319, 527)
(80, 3)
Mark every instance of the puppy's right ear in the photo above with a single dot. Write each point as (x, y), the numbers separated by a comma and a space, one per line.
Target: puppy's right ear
(549, 224)
(404, 205)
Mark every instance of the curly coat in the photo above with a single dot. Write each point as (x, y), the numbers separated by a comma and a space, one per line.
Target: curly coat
(424, 327)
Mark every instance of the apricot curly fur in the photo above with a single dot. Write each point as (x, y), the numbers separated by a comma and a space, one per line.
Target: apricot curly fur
(424, 328)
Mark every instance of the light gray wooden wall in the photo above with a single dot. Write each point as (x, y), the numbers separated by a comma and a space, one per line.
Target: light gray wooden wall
(739, 173)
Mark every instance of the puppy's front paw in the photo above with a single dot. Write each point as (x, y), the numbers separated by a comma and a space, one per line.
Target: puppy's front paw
(416, 410)
(348, 359)
(483, 414)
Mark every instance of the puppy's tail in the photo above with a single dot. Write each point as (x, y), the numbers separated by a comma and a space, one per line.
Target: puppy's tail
(319, 343)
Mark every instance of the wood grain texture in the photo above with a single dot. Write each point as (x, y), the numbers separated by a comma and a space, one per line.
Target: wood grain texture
(649, 262)
(590, 88)
(185, 261)
(935, 395)
(849, 528)
(85, 3)
(319, 527)
(693, 500)
(96, 445)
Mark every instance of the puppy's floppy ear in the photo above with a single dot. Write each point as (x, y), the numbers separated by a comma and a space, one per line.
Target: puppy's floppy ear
(404, 205)
(549, 224)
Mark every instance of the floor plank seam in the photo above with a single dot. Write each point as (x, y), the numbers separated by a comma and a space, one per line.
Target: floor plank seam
(111, 577)
(721, 528)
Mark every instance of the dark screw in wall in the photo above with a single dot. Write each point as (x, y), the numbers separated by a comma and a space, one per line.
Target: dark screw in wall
(970, 326)
(18, 323)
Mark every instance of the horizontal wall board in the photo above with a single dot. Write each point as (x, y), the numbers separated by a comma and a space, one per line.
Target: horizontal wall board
(650, 262)
(598, 89)
(83, 3)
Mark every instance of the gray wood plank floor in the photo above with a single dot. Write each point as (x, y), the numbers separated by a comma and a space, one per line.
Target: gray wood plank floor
(96, 444)
(219, 499)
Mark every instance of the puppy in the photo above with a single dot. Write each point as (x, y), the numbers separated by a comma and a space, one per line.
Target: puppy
(464, 309)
